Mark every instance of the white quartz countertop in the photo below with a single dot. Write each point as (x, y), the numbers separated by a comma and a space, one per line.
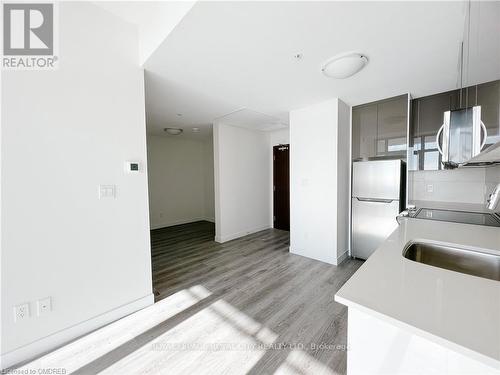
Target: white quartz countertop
(453, 309)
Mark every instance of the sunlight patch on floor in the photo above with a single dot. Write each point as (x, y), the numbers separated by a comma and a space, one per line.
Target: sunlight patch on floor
(96, 344)
(301, 363)
(243, 322)
(219, 338)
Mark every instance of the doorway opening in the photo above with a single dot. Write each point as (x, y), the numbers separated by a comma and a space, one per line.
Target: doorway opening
(281, 187)
(181, 201)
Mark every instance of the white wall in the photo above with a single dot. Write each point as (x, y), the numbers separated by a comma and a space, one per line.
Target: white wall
(64, 132)
(242, 180)
(279, 137)
(319, 162)
(209, 193)
(180, 180)
(343, 179)
(463, 185)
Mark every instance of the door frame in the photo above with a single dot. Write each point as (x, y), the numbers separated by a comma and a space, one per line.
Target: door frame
(275, 149)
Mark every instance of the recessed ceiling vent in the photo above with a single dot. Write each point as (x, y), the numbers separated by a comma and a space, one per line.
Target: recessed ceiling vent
(344, 65)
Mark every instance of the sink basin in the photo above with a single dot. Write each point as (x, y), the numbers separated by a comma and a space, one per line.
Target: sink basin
(451, 258)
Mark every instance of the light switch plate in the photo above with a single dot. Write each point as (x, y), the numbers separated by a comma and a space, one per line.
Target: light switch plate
(107, 191)
(430, 188)
(44, 306)
(21, 312)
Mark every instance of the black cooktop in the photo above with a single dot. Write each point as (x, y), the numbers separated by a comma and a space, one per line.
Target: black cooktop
(478, 218)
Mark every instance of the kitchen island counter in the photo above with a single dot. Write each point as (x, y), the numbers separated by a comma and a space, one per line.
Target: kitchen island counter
(457, 311)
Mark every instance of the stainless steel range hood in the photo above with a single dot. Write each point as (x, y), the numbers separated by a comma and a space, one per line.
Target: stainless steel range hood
(461, 136)
(490, 156)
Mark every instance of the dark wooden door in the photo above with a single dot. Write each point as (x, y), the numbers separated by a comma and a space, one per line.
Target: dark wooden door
(281, 182)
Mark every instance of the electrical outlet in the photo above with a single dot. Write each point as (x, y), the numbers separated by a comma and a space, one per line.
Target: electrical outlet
(44, 306)
(430, 188)
(21, 312)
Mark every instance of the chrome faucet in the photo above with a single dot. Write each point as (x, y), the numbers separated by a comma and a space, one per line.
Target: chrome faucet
(494, 199)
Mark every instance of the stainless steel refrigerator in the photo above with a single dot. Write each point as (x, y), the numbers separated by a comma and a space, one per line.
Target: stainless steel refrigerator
(378, 196)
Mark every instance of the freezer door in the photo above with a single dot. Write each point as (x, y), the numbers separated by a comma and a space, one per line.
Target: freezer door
(372, 223)
(380, 179)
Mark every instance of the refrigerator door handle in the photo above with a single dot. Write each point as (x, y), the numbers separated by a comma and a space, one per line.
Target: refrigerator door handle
(375, 200)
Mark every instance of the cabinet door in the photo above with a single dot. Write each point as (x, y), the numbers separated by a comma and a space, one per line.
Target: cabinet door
(487, 95)
(430, 111)
(364, 131)
(427, 118)
(391, 127)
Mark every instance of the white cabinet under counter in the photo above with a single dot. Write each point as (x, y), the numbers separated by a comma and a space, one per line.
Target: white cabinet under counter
(406, 317)
(376, 346)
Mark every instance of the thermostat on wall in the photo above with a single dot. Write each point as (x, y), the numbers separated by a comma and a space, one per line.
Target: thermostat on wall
(132, 166)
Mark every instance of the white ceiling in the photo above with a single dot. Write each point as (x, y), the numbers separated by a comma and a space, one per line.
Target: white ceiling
(247, 118)
(154, 20)
(226, 56)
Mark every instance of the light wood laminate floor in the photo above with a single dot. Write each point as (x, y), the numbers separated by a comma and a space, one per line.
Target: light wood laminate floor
(245, 306)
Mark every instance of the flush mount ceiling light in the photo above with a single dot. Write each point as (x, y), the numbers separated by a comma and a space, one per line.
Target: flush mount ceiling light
(344, 65)
(173, 131)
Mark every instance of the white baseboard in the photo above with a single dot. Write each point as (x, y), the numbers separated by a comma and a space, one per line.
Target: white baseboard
(342, 257)
(314, 257)
(233, 236)
(178, 222)
(57, 339)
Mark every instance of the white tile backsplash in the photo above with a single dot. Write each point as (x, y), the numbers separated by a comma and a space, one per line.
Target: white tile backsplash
(465, 185)
(493, 174)
(492, 178)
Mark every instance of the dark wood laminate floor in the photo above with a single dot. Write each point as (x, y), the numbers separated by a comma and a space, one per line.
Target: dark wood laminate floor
(291, 296)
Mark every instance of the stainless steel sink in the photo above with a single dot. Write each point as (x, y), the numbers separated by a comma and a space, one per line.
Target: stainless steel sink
(451, 258)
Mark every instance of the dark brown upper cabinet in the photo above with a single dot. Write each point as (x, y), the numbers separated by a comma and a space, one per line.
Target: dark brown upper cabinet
(427, 116)
(379, 129)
